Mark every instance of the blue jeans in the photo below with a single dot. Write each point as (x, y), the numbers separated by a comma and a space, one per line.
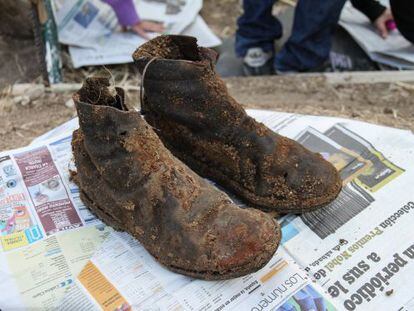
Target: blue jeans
(310, 42)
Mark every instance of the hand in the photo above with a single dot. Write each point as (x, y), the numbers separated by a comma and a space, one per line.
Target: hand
(143, 27)
(380, 23)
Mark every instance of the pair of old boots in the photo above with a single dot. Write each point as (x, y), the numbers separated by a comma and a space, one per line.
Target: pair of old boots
(143, 177)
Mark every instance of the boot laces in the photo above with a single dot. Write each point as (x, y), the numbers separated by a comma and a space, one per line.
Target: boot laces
(142, 88)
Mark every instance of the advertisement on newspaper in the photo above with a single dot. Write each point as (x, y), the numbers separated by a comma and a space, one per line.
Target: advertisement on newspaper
(18, 223)
(47, 191)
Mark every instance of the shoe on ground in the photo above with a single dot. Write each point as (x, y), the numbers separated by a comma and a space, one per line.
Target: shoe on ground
(258, 63)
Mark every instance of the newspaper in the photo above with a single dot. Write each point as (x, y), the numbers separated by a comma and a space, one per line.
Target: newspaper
(360, 247)
(354, 254)
(129, 42)
(91, 29)
(394, 51)
(47, 234)
(137, 281)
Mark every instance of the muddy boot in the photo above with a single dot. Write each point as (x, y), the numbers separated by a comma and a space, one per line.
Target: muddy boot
(133, 183)
(207, 129)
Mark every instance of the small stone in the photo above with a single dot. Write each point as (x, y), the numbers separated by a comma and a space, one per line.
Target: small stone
(389, 292)
(22, 100)
(139, 231)
(6, 104)
(70, 103)
(129, 206)
(35, 93)
(17, 99)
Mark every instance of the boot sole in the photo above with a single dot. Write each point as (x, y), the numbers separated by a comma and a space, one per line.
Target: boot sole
(208, 275)
(250, 197)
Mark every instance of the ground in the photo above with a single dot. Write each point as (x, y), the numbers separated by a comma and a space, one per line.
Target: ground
(389, 104)
(221, 15)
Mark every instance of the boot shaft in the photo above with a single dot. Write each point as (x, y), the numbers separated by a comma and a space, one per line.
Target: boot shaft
(184, 85)
(114, 137)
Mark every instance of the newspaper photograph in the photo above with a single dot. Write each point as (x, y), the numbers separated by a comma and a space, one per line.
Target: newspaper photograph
(381, 171)
(347, 162)
(354, 254)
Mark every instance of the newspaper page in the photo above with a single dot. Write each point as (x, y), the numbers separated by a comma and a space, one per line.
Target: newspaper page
(46, 234)
(354, 254)
(360, 247)
(82, 56)
(86, 22)
(91, 29)
(135, 280)
(394, 51)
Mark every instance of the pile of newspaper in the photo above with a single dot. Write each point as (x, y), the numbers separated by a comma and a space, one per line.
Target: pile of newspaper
(355, 254)
(91, 29)
(395, 51)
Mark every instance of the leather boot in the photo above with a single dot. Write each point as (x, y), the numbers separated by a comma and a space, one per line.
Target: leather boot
(133, 183)
(207, 129)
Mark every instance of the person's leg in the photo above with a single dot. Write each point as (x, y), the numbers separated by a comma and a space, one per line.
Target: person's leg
(257, 27)
(309, 45)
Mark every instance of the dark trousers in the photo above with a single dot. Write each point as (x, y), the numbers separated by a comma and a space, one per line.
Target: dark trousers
(309, 45)
(403, 11)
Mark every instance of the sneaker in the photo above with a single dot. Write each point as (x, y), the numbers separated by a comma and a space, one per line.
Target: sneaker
(258, 63)
(323, 68)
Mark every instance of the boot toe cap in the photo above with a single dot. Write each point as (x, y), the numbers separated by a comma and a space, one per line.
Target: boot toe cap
(246, 245)
(315, 181)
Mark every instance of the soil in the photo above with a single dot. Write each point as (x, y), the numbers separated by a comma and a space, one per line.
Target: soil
(221, 15)
(383, 103)
(19, 125)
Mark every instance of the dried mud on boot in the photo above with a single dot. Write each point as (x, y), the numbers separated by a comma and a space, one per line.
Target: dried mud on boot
(207, 129)
(133, 183)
